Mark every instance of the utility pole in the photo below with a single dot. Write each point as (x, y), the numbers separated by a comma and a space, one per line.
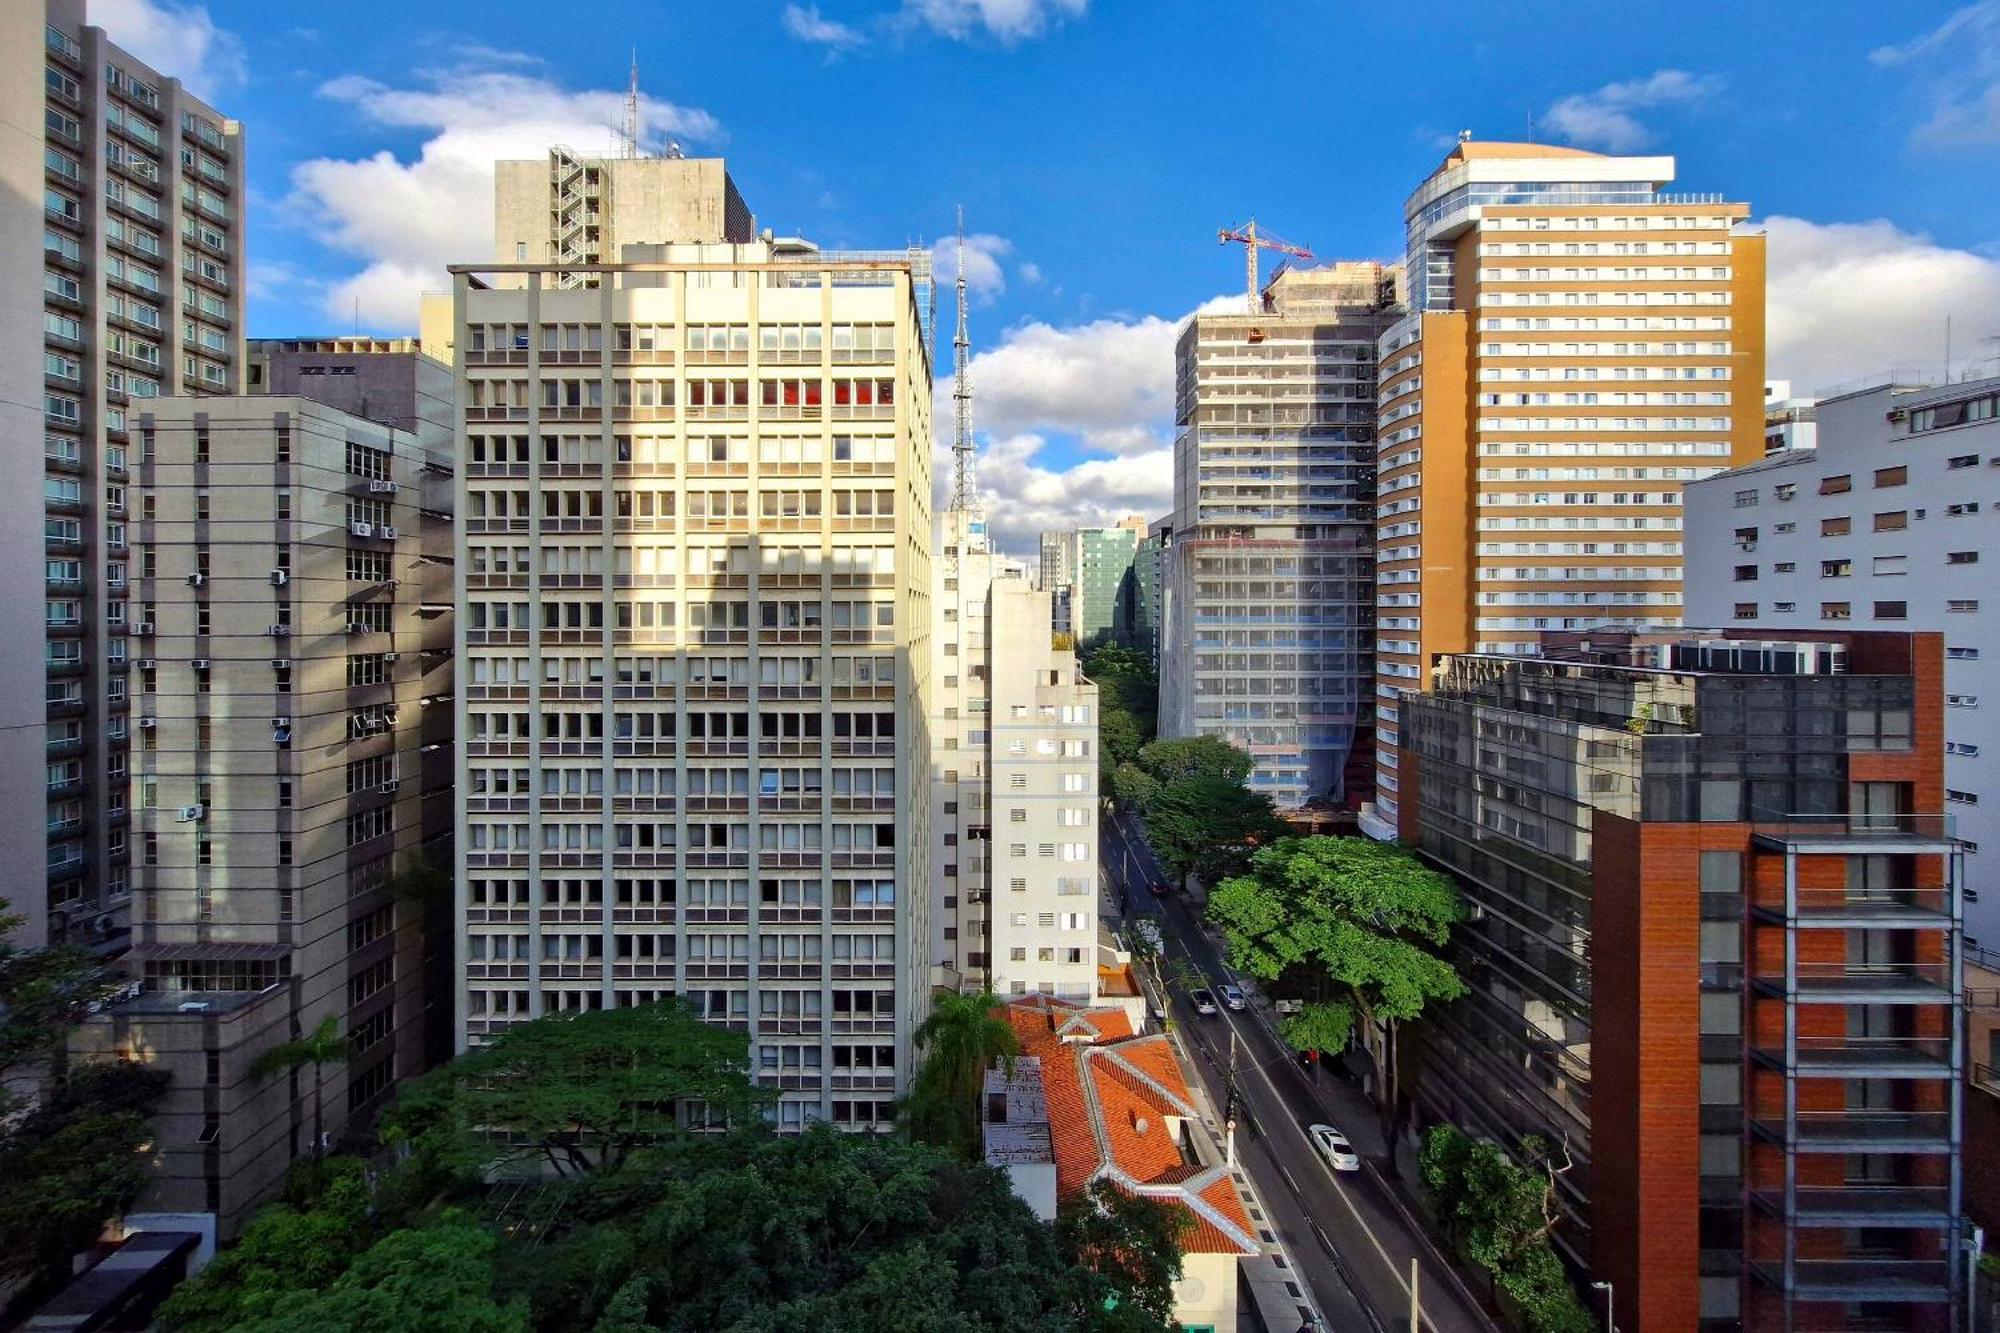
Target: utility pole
(1416, 1309)
(1230, 1106)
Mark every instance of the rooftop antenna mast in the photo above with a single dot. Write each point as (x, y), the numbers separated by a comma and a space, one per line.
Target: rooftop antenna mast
(964, 487)
(629, 145)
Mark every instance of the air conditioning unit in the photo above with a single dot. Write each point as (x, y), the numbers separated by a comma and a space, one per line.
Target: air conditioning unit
(280, 722)
(281, 663)
(390, 657)
(278, 631)
(360, 529)
(356, 627)
(145, 664)
(386, 533)
(189, 813)
(390, 788)
(144, 629)
(280, 577)
(148, 723)
(381, 488)
(199, 664)
(196, 580)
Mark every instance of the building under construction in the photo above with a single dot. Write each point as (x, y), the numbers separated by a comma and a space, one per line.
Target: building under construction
(1269, 583)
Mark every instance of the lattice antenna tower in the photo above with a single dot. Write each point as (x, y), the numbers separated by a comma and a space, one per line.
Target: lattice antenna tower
(629, 137)
(964, 485)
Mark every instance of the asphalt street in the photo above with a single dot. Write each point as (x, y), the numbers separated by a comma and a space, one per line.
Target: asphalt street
(1348, 1234)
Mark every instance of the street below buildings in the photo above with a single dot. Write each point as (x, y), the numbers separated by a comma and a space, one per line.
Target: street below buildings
(1351, 1237)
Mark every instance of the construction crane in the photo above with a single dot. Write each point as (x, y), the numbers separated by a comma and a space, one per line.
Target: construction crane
(1252, 241)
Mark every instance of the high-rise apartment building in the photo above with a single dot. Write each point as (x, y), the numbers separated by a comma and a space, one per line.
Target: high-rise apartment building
(1149, 569)
(1714, 958)
(1269, 583)
(694, 643)
(1879, 527)
(140, 268)
(965, 566)
(291, 704)
(1580, 343)
(574, 210)
(1102, 596)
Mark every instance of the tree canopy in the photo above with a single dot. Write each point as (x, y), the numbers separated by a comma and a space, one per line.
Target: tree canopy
(1195, 756)
(75, 1147)
(1360, 918)
(587, 1087)
(1208, 825)
(1500, 1213)
(650, 1228)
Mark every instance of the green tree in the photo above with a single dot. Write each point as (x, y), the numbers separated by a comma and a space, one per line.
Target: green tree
(1208, 825)
(1134, 788)
(580, 1089)
(1194, 757)
(75, 1149)
(961, 1039)
(1115, 659)
(1360, 919)
(1118, 735)
(323, 1046)
(1131, 1248)
(1500, 1213)
(433, 1279)
(1317, 1027)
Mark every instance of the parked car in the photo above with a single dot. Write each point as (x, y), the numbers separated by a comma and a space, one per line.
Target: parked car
(1232, 996)
(1332, 1145)
(1204, 1003)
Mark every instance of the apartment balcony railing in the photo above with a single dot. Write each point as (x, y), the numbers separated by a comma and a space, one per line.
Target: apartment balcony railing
(1871, 1280)
(1864, 983)
(1852, 834)
(1887, 1132)
(1872, 1206)
(1864, 1057)
(1915, 909)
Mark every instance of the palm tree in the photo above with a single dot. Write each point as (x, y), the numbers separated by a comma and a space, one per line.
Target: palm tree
(961, 1039)
(324, 1044)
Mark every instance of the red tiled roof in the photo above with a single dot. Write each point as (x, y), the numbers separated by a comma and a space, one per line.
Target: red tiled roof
(1100, 1092)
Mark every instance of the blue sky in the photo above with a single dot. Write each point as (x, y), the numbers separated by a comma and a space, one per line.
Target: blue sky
(1096, 146)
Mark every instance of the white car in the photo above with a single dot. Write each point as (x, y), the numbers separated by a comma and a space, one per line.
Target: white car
(1204, 1003)
(1232, 996)
(1334, 1147)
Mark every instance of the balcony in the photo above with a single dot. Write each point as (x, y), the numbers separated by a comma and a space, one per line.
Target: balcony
(1864, 1205)
(1898, 1132)
(1865, 1057)
(1865, 983)
(1872, 1280)
(1852, 834)
(1911, 909)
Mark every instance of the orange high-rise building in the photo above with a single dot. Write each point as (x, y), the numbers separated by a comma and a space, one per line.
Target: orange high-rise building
(1580, 343)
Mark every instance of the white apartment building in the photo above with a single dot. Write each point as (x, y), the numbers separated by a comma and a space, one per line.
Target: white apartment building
(1014, 736)
(132, 271)
(291, 692)
(1042, 762)
(1881, 526)
(694, 639)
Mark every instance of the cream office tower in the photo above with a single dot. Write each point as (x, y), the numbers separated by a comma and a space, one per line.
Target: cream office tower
(693, 635)
(1580, 343)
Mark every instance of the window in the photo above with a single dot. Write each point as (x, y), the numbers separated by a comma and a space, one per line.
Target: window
(1892, 610)
(1746, 499)
(1835, 611)
(1746, 573)
(1835, 569)
(1891, 476)
(1962, 654)
(1840, 485)
(1961, 557)
(1962, 460)
(1895, 520)
(1835, 527)
(1957, 797)
(1961, 509)
(1746, 610)
(1962, 605)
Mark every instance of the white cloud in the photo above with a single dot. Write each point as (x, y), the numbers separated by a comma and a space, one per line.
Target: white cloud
(176, 39)
(984, 277)
(1604, 119)
(1031, 273)
(1849, 300)
(1007, 21)
(1957, 67)
(408, 219)
(806, 23)
(1024, 496)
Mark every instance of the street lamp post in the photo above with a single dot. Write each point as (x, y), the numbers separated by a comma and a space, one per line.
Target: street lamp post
(1610, 1311)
